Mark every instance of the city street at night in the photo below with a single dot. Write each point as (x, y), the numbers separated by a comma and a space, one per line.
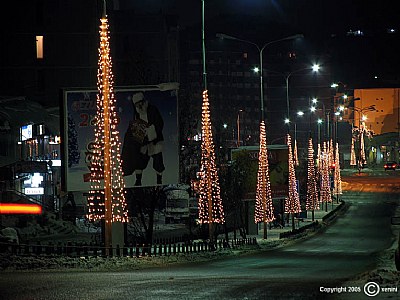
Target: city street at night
(200, 149)
(349, 247)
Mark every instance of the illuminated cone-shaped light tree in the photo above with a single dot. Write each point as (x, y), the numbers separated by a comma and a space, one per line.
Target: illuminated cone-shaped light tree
(353, 161)
(331, 153)
(312, 193)
(106, 196)
(292, 203)
(210, 202)
(319, 158)
(264, 211)
(362, 147)
(338, 180)
(295, 156)
(325, 192)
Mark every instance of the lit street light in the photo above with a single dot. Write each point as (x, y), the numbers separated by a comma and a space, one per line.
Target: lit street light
(263, 158)
(314, 67)
(260, 51)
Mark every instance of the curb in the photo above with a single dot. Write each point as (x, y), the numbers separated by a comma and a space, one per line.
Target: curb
(328, 218)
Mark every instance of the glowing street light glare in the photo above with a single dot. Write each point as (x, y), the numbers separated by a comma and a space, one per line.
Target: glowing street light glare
(319, 121)
(287, 121)
(313, 108)
(345, 96)
(337, 113)
(334, 85)
(256, 69)
(316, 67)
(341, 108)
(364, 118)
(225, 125)
(300, 113)
(314, 100)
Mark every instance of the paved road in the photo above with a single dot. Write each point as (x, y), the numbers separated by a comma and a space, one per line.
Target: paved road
(388, 181)
(346, 248)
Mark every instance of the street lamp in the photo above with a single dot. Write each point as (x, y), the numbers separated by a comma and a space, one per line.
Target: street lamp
(319, 122)
(260, 51)
(238, 128)
(263, 181)
(314, 67)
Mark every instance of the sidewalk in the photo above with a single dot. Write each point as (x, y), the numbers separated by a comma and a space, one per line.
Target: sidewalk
(274, 234)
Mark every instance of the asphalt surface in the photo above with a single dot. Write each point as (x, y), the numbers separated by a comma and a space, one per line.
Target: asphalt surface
(305, 270)
(347, 248)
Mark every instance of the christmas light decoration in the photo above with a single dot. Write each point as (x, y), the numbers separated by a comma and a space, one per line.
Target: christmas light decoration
(264, 211)
(325, 192)
(292, 203)
(312, 193)
(210, 202)
(353, 161)
(319, 158)
(106, 196)
(359, 133)
(362, 147)
(295, 156)
(338, 180)
(331, 157)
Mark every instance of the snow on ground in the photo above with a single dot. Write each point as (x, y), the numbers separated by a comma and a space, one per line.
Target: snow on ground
(385, 274)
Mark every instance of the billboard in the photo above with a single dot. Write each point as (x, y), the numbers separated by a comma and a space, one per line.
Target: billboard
(26, 132)
(148, 134)
(278, 169)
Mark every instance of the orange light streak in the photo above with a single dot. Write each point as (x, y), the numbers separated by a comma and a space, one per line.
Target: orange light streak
(12, 208)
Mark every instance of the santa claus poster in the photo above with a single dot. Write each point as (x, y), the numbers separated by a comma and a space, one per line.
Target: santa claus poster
(148, 133)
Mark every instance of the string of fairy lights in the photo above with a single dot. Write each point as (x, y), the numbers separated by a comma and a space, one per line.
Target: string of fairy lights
(337, 190)
(352, 154)
(106, 180)
(210, 202)
(312, 192)
(292, 203)
(325, 192)
(264, 211)
(295, 156)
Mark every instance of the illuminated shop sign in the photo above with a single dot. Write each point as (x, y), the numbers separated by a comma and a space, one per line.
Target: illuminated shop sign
(34, 191)
(32, 185)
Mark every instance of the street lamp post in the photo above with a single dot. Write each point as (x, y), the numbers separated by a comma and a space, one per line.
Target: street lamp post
(319, 130)
(238, 128)
(260, 52)
(262, 126)
(314, 67)
(203, 45)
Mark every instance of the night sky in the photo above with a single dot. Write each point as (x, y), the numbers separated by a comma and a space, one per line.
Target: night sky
(366, 60)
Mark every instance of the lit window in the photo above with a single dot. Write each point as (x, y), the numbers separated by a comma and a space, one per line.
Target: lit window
(39, 46)
(355, 33)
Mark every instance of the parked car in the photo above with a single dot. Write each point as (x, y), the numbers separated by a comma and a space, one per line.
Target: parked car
(390, 165)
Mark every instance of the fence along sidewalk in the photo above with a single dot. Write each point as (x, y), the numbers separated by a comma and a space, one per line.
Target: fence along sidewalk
(134, 250)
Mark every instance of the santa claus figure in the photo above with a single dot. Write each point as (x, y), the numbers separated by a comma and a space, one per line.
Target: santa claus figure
(143, 140)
